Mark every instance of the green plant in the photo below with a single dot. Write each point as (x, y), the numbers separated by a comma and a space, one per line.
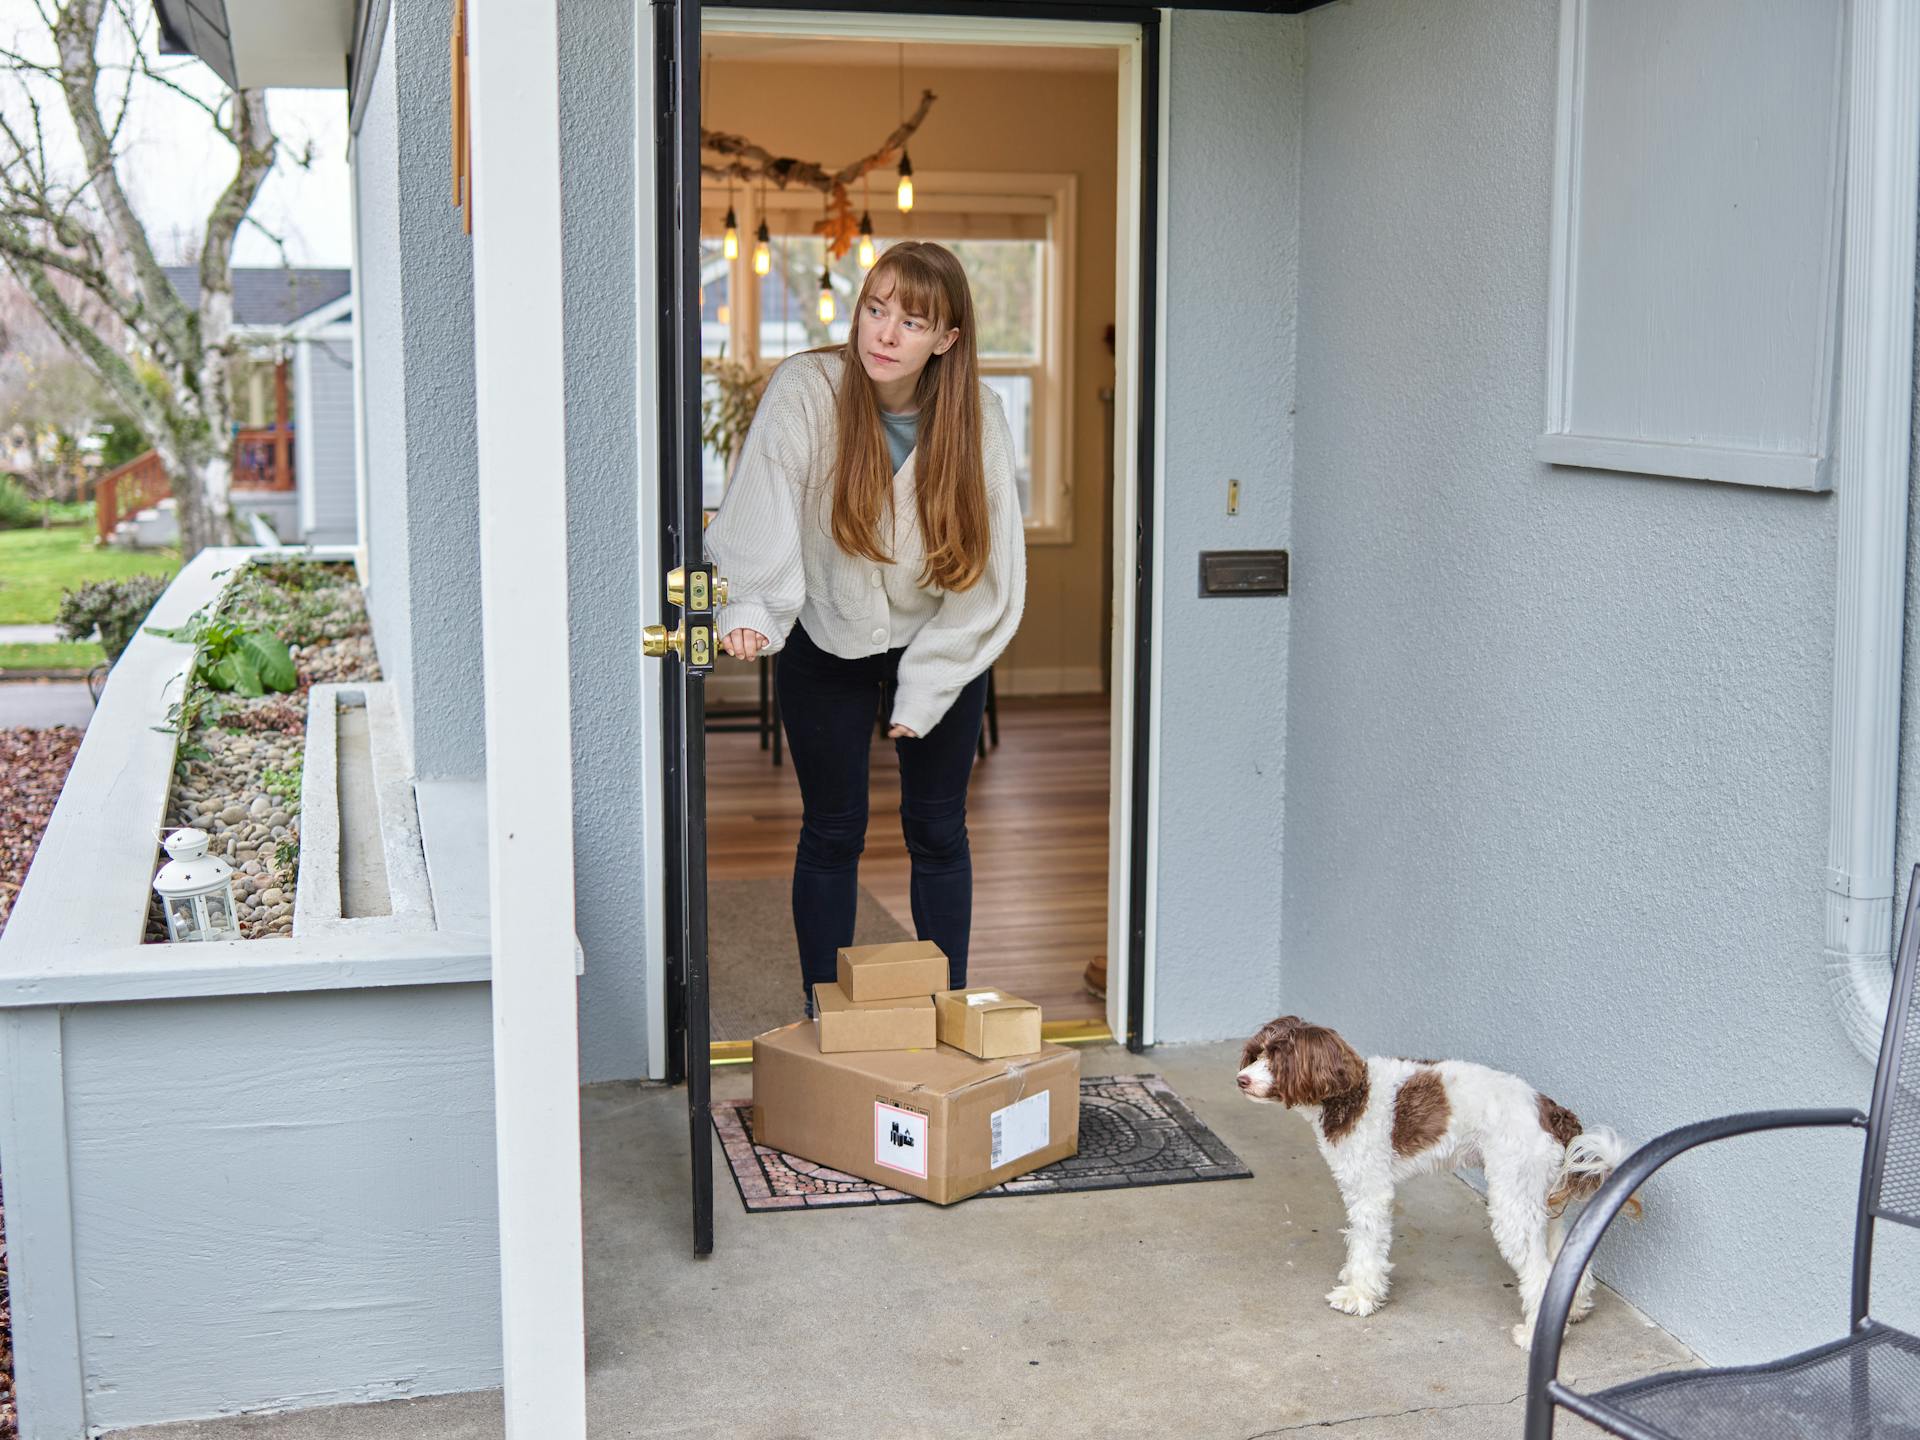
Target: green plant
(17, 510)
(120, 441)
(229, 656)
(282, 785)
(726, 413)
(116, 607)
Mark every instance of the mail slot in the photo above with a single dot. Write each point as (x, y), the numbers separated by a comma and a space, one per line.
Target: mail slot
(1243, 572)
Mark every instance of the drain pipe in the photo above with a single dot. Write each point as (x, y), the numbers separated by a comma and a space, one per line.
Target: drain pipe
(1872, 456)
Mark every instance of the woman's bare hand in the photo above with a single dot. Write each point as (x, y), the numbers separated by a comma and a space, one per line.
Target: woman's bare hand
(901, 732)
(745, 644)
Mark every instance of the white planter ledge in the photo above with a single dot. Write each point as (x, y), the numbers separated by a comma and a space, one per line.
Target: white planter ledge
(75, 932)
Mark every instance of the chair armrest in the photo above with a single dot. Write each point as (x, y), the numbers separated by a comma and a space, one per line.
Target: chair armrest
(1543, 1363)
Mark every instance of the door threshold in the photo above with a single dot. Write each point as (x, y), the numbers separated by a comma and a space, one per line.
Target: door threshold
(1057, 1032)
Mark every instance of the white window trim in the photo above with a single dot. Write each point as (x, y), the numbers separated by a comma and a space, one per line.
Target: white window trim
(1053, 450)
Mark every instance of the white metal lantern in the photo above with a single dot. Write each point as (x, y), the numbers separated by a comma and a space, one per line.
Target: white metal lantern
(196, 890)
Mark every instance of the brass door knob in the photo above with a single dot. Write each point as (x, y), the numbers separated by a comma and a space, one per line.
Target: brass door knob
(657, 640)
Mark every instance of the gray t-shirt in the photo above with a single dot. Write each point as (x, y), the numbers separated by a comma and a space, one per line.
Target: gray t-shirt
(903, 433)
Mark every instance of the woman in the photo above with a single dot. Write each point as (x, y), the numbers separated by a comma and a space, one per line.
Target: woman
(872, 534)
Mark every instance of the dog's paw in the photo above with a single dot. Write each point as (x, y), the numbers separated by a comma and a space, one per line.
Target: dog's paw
(1523, 1335)
(1352, 1300)
(1581, 1309)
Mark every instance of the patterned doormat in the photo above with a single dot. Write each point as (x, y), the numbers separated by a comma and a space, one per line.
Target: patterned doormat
(1134, 1131)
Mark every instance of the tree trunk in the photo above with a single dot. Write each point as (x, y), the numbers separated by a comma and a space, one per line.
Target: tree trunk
(201, 504)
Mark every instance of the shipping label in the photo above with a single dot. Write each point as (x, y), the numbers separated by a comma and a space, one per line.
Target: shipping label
(899, 1139)
(1022, 1128)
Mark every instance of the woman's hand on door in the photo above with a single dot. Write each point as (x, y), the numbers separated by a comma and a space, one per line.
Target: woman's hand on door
(745, 644)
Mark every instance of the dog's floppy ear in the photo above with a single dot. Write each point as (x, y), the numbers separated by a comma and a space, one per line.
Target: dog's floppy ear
(1311, 1064)
(1263, 1038)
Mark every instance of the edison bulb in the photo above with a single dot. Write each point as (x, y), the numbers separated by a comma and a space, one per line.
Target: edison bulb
(867, 255)
(906, 192)
(762, 251)
(730, 245)
(826, 299)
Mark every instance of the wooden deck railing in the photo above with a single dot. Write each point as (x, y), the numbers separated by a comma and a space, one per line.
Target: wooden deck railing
(128, 490)
(263, 458)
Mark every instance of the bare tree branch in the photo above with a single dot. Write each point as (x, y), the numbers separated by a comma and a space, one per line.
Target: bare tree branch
(76, 33)
(113, 368)
(754, 163)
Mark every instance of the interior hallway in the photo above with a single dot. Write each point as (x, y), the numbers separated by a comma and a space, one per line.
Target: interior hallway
(1037, 822)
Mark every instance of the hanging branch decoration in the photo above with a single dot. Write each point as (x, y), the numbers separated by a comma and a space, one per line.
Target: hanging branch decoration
(841, 225)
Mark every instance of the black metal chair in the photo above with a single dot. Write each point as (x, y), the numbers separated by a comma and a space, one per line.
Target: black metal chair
(1863, 1387)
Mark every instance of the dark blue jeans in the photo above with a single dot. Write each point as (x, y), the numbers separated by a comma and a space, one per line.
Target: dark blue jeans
(830, 707)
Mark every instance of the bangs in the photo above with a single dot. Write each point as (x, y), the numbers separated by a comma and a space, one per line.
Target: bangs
(916, 285)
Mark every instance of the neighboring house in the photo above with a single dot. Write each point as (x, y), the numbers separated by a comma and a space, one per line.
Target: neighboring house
(1578, 748)
(294, 451)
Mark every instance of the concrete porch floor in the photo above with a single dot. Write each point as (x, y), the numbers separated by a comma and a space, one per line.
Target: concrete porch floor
(1182, 1310)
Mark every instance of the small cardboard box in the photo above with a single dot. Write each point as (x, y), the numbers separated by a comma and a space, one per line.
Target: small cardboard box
(988, 1023)
(898, 971)
(875, 1025)
(933, 1123)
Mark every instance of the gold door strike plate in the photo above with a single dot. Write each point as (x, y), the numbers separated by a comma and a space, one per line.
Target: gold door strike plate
(697, 597)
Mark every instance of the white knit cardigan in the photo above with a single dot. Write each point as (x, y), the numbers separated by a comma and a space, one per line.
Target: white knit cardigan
(772, 541)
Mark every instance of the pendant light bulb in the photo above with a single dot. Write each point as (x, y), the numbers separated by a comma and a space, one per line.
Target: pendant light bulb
(762, 251)
(731, 245)
(826, 298)
(867, 253)
(906, 182)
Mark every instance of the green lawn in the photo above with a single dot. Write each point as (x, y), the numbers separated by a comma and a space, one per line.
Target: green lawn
(36, 565)
(60, 656)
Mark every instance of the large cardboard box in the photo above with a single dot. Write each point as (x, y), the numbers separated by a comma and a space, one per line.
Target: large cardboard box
(934, 1123)
(894, 971)
(988, 1023)
(875, 1025)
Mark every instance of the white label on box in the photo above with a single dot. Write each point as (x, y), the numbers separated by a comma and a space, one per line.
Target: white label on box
(985, 997)
(1022, 1128)
(899, 1139)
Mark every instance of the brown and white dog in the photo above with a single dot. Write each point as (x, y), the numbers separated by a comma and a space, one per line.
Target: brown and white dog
(1379, 1121)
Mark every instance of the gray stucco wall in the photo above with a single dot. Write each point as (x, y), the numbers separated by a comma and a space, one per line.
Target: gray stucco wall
(423, 522)
(597, 221)
(376, 178)
(423, 498)
(1233, 215)
(1558, 740)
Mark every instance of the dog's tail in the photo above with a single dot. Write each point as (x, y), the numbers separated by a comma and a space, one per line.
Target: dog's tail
(1591, 1156)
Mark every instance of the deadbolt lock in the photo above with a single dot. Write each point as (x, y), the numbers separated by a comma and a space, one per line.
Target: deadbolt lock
(677, 589)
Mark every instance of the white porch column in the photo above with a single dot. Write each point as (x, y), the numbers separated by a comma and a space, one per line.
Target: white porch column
(513, 52)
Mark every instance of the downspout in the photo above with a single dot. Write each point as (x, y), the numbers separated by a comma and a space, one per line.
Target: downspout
(1872, 456)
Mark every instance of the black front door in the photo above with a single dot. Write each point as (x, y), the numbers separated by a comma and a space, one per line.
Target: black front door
(685, 640)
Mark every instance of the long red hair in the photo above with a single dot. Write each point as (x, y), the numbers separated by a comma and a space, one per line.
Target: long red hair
(950, 485)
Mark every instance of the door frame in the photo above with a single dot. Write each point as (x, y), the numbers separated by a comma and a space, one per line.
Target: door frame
(1138, 33)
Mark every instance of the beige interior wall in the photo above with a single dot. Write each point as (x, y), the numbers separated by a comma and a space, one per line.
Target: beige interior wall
(1022, 120)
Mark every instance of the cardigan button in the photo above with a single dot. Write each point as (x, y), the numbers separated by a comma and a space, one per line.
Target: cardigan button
(875, 580)
(880, 637)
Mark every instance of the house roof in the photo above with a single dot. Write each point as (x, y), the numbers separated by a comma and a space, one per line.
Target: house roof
(268, 295)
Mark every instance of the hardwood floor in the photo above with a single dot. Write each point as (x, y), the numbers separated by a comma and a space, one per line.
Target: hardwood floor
(1036, 819)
